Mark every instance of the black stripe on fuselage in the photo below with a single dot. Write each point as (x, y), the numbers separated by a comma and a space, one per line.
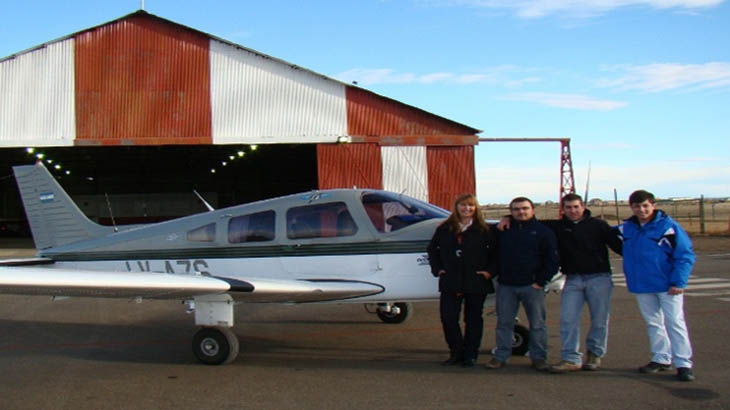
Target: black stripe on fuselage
(230, 252)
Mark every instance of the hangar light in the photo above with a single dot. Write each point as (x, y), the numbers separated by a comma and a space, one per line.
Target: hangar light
(241, 153)
(254, 147)
(30, 150)
(40, 155)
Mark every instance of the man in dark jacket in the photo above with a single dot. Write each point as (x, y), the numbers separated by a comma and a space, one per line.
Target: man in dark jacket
(582, 241)
(528, 259)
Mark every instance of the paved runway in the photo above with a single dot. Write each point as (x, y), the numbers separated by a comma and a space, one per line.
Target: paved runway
(115, 354)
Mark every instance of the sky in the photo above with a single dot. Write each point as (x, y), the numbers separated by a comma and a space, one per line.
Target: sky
(641, 87)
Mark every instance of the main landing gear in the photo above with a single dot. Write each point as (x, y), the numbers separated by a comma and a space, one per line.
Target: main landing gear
(215, 343)
(391, 312)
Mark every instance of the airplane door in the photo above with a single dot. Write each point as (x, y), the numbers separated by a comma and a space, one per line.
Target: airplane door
(324, 241)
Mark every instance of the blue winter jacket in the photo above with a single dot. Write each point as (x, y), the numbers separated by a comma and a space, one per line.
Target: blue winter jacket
(657, 255)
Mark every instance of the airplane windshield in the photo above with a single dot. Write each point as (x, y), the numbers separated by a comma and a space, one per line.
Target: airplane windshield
(390, 212)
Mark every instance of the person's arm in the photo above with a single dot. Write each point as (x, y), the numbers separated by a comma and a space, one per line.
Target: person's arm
(611, 237)
(434, 253)
(683, 257)
(549, 255)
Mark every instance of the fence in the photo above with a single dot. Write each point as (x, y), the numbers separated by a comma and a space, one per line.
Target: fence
(695, 215)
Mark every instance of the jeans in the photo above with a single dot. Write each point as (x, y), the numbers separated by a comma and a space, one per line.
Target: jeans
(533, 300)
(595, 289)
(668, 335)
(462, 345)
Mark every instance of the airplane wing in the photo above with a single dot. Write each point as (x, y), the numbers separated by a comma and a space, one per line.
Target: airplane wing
(31, 280)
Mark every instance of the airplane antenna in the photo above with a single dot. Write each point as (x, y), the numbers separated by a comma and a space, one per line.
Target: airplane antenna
(207, 205)
(111, 214)
(588, 182)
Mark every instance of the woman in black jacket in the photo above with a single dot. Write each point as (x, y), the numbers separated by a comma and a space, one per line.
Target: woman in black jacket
(461, 255)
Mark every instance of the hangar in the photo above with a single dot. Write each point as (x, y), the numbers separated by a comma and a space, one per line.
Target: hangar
(134, 114)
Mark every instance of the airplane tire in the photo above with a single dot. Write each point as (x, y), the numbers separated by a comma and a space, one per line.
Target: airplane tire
(389, 317)
(520, 340)
(215, 345)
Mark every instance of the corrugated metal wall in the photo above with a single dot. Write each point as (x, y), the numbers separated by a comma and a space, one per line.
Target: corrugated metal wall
(450, 173)
(142, 80)
(405, 170)
(349, 165)
(37, 97)
(256, 99)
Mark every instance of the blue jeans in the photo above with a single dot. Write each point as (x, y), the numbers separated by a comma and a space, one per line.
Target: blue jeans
(595, 289)
(508, 300)
(668, 335)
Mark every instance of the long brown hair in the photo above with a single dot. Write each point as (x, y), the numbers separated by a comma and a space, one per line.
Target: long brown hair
(453, 220)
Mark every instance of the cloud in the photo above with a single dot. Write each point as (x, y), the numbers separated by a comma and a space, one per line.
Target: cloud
(574, 8)
(668, 76)
(571, 101)
(499, 75)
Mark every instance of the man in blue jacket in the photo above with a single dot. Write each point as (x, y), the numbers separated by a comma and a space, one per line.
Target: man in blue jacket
(528, 260)
(658, 260)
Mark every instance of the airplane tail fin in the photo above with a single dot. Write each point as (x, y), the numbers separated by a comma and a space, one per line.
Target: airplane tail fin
(53, 217)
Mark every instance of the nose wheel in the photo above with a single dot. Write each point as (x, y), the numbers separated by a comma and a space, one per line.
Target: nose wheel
(215, 345)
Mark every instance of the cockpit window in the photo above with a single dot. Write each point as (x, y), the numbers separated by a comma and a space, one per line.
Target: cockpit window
(319, 221)
(258, 227)
(390, 212)
(205, 233)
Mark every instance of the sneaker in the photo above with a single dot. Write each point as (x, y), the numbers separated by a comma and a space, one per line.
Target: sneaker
(685, 374)
(653, 367)
(592, 363)
(540, 365)
(564, 366)
(494, 364)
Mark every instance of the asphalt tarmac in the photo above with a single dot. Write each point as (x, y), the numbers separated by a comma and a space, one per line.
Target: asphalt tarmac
(116, 354)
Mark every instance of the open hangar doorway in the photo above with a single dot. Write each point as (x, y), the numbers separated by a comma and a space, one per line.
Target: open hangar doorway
(153, 183)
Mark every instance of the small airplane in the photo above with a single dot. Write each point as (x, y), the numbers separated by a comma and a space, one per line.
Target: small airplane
(327, 246)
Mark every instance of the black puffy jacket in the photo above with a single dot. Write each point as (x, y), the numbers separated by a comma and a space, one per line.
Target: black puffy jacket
(583, 244)
(461, 256)
(528, 253)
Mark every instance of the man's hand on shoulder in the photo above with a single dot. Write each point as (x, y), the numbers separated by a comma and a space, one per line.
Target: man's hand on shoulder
(504, 223)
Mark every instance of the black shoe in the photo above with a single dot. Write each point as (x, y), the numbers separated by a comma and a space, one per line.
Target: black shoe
(468, 363)
(685, 374)
(452, 360)
(653, 367)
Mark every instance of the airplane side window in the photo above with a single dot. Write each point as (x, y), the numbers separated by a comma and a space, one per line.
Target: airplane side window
(258, 227)
(205, 233)
(320, 221)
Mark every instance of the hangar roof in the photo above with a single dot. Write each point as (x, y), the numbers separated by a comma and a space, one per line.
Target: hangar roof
(145, 80)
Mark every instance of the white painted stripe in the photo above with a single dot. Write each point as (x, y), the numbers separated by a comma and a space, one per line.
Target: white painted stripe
(710, 286)
(724, 299)
(37, 106)
(256, 99)
(720, 293)
(405, 170)
(706, 280)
